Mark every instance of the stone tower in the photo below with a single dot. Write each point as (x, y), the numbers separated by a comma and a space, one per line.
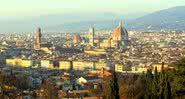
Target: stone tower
(38, 39)
(91, 37)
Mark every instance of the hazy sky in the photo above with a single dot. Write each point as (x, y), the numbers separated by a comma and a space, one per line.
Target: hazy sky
(40, 7)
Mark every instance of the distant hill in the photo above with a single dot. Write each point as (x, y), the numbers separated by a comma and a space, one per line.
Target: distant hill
(72, 22)
(168, 19)
(82, 22)
(85, 25)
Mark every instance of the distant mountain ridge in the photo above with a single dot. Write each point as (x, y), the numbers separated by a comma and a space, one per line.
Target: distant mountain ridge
(168, 19)
(55, 22)
(85, 25)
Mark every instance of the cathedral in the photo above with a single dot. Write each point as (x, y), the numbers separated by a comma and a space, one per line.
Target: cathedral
(118, 39)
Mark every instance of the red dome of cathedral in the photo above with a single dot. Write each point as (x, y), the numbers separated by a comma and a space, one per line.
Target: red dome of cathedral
(76, 39)
(119, 33)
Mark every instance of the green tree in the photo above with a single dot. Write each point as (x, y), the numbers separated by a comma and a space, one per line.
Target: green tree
(113, 88)
(177, 77)
(162, 82)
(167, 90)
(155, 84)
(149, 79)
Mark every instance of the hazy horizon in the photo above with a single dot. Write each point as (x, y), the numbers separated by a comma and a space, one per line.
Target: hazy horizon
(22, 8)
(26, 16)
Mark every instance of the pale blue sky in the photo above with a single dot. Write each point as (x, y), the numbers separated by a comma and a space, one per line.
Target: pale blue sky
(41, 7)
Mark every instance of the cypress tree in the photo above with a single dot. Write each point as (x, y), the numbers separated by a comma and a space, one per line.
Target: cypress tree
(113, 92)
(167, 90)
(155, 85)
(149, 78)
(162, 82)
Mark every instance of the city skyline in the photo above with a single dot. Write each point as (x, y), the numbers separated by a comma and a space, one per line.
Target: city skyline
(134, 49)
